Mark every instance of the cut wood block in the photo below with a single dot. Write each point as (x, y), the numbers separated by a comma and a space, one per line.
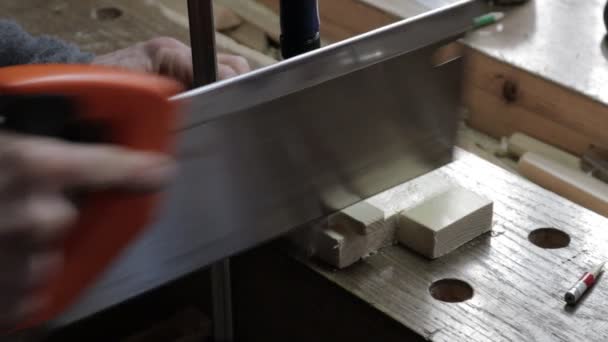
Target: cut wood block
(519, 144)
(363, 217)
(340, 246)
(346, 237)
(445, 222)
(572, 184)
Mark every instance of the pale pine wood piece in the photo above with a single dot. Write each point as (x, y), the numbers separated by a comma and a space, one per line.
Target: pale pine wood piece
(363, 217)
(340, 246)
(347, 236)
(519, 144)
(570, 183)
(444, 222)
(518, 286)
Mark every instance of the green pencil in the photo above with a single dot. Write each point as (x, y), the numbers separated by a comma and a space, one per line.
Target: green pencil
(488, 19)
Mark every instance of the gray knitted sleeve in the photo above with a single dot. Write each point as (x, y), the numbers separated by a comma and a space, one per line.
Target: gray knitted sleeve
(19, 47)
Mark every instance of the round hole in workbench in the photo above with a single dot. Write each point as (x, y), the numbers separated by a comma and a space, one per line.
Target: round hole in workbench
(549, 238)
(451, 290)
(107, 13)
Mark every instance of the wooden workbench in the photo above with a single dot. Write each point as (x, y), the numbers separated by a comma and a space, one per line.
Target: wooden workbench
(518, 287)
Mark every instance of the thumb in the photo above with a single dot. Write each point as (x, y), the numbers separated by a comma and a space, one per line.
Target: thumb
(65, 164)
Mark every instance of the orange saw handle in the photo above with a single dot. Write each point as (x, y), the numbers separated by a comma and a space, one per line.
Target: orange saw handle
(132, 110)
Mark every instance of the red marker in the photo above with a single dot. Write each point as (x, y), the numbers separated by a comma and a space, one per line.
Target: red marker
(585, 283)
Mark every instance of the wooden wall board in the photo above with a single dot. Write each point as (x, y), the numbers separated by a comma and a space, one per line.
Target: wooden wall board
(540, 108)
(518, 287)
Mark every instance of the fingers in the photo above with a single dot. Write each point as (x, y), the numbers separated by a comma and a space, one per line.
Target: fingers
(36, 219)
(171, 58)
(18, 280)
(28, 271)
(237, 63)
(225, 72)
(231, 66)
(49, 162)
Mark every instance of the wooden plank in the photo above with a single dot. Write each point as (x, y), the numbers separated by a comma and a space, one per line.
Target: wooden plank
(570, 183)
(504, 99)
(520, 144)
(518, 287)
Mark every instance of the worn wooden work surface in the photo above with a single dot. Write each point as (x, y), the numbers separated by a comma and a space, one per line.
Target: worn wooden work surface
(518, 287)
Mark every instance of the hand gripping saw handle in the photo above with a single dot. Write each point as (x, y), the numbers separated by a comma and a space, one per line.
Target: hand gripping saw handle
(91, 104)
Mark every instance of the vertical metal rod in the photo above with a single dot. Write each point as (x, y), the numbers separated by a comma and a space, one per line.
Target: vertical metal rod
(221, 290)
(204, 62)
(202, 40)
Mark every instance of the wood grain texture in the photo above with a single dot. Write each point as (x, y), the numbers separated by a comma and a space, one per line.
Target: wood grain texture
(519, 287)
(537, 107)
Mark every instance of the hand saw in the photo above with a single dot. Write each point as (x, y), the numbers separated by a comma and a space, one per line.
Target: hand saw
(259, 155)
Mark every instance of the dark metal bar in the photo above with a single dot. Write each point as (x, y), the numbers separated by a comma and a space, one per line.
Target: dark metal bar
(202, 40)
(221, 291)
(204, 62)
(300, 25)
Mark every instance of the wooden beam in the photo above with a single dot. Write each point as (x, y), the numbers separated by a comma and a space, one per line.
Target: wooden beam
(504, 99)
